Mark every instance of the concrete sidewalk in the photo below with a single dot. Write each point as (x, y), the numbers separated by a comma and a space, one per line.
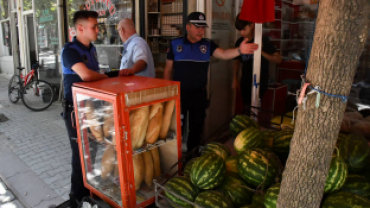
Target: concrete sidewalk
(35, 155)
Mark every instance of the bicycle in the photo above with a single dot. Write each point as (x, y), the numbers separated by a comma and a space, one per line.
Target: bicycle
(35, 94)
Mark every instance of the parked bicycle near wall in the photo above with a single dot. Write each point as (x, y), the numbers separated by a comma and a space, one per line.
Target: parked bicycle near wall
(35, 94)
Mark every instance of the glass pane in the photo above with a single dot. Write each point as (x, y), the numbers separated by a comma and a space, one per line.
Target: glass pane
(27, 4)
(48, 40)
(4, 11)
(98, 143)
(6, 46)
(153, 139)
(108, 44)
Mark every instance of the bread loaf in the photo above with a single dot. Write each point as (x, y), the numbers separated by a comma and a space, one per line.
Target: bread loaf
(138, 126)
(93, 121)
(116, 170)
(155, 123)
(156, 162)
(168, 111)
(108, 125)
(148, 162)
(108, 161)
(139, 170)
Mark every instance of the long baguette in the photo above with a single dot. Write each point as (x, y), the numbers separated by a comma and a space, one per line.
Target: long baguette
(138, 125)
(155, 123)
(168, 111)
(139, 170)
(94, 125)
(148, 162)
(108, 160)
(156, 162)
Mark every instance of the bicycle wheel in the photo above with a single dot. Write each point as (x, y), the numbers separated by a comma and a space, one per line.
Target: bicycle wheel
(37, 95)
(13, 89)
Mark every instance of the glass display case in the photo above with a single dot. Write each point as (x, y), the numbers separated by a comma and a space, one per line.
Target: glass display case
(129, 133)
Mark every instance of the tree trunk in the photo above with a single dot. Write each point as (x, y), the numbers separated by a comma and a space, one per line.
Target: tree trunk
(342, 27)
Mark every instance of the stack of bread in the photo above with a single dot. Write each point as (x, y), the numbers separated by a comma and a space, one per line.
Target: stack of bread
(147, 125)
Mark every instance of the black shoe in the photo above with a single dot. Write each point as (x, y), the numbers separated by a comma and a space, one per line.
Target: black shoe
(73, 201)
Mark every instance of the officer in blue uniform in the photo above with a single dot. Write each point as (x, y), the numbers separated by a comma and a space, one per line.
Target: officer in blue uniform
(80, 64)
(188, 62)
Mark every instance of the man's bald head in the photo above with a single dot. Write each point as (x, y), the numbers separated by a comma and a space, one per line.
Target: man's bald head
(126, 28)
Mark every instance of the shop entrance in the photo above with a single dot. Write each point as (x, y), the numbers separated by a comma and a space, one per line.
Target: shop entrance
(30, 41)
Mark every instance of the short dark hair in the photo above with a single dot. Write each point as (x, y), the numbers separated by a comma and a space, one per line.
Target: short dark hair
(80, 15)
(241, 24)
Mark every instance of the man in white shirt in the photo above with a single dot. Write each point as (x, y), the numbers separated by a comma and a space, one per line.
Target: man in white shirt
(137, 58)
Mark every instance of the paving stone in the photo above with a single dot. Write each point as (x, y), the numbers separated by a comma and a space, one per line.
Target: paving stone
(53, 179)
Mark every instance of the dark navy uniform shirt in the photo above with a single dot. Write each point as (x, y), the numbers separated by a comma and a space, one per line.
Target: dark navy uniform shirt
(73, 53)
(191, 62)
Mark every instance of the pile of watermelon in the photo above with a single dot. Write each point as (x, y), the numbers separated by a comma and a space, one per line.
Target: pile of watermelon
(252, 177)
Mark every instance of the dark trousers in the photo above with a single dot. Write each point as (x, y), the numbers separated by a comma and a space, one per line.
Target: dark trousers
(194, 103)
(77, 186)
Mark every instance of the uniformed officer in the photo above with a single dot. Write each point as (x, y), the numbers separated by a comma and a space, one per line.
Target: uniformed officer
(188, 62)
(80, 64)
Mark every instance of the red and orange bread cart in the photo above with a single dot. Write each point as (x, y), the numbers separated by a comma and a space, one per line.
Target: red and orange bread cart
(129, 133)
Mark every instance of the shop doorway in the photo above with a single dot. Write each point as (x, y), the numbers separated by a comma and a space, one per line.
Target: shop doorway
(30, 41)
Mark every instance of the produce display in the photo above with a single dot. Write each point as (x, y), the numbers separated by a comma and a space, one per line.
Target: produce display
(213, 199)
(218, 149)
(252, 177)
(183, 187)
(337, 175)
(271, 196)
(208, 171)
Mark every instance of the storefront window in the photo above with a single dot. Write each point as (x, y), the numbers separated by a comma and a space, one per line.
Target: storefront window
(27, 4)
(108, 45)
(6, 42)
(4, 11)
(48, 40)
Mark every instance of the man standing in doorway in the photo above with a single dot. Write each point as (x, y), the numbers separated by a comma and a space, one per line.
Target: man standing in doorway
(80, 64)
(137, 58)
(187, 61)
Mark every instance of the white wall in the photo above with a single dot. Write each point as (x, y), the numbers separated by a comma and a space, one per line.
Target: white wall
(6, 65)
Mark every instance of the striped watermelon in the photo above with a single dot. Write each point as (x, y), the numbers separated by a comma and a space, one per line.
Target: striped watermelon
(240, 123)
(181, 186)
(239, 194)
(213, 199)
(358, 185)
(355, 151)
(258, 200)
(272, 196)
(281, 143)
(188, 166)
(232, 164)
(248, 138)
(252, 206)
(217, 148)
(337, 175)
(257, 167)
(268, 136)
(345, 200)
(208, 171)
(232, 179)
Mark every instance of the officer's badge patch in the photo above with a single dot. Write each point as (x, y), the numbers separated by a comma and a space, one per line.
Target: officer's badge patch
(179, 48)
(84, 57)
(203, 49)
